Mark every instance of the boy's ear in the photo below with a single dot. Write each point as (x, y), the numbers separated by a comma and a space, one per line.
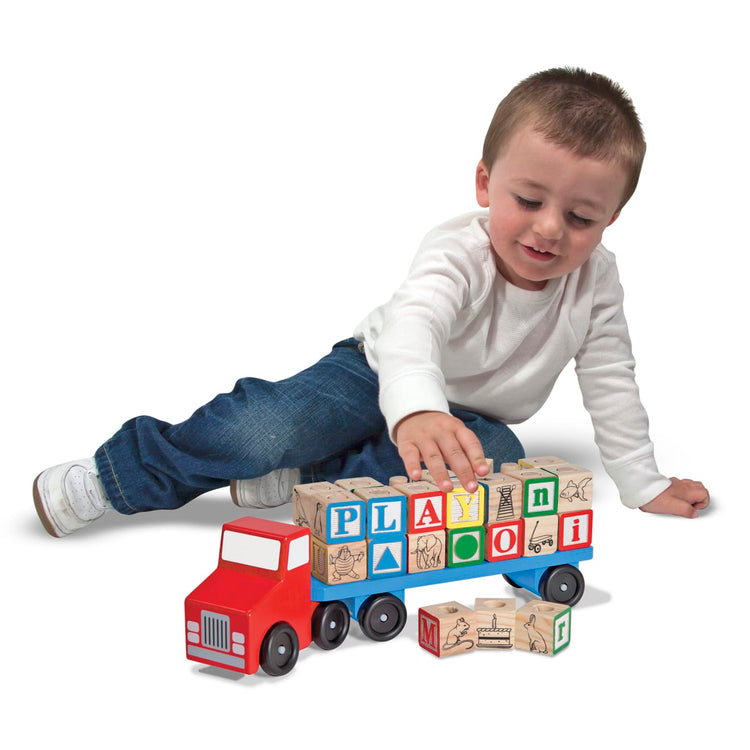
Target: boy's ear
(613, 219)
(483, 185)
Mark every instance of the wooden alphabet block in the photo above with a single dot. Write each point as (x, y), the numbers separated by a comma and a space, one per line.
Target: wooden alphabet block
(386, 511)
(504, 498)
(505, 541)
(447, 629)
(338, 563)
(465, 546)
(540, 535)
(575, 487)
(386, 556)
(542, 627)
(426, 551)
(464, 509)
(332, 514)
(539, 491)
(496, 623)
(425, 505)
(574, 531)
(540, 462)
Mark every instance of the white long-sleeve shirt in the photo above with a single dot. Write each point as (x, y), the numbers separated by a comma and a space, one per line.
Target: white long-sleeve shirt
(457, 332)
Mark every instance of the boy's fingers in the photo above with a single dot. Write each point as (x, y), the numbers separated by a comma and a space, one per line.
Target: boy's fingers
(411, 457)
(473, 449)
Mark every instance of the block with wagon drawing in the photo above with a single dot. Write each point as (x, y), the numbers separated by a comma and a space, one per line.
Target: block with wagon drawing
(540, 535)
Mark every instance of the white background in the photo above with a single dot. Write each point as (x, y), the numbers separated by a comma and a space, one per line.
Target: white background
(197, 191)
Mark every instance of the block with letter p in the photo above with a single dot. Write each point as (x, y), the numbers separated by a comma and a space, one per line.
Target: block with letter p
(332, 514)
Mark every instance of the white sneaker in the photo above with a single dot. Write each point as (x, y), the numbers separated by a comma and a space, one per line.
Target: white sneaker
(69, 496)
(267, 491)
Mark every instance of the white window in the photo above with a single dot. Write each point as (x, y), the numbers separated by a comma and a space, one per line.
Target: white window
(247, 549)
(299, 552)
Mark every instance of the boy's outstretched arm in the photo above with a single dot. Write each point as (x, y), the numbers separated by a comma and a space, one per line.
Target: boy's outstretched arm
(683, 497)
(437, 439)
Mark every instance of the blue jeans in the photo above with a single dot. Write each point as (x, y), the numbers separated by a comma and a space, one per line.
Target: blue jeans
(324, 420)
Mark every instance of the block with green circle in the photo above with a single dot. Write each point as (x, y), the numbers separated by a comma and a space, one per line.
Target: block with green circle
(465, 546)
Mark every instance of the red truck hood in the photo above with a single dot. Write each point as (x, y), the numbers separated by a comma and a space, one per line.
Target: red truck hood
(232, 589)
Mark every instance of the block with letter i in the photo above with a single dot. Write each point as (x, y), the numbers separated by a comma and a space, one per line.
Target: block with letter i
(425, 505)
(496, 623)
(332, 514)
(574, 531)
(447, 629)
(542, 627)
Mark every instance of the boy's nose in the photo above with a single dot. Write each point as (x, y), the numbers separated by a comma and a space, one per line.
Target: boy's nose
(549, 225)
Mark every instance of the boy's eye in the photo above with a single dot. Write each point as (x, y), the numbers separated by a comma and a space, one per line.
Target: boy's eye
(527, 202)
(580, 220)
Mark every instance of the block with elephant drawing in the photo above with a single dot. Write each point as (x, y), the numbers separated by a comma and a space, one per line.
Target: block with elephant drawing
(447, 629)
(426, 551)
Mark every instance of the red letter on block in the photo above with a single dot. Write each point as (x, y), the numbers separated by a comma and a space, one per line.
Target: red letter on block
(504, 540)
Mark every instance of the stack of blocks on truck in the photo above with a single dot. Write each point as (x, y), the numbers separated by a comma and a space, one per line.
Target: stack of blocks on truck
(362, 528)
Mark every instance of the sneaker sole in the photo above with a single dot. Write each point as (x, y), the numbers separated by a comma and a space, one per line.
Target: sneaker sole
(41, 511)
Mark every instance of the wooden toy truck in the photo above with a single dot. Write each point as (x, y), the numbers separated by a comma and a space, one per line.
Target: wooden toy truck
(261, 605)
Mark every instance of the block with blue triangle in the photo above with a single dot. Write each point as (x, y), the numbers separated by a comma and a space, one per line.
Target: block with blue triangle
(386, 556)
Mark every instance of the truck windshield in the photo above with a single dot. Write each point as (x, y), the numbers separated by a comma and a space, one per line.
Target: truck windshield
(246, 549)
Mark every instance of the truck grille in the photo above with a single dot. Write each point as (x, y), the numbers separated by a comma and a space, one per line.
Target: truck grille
(215, 631)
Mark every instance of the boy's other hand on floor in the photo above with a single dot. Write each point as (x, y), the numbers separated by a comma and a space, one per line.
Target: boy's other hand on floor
(684, 497)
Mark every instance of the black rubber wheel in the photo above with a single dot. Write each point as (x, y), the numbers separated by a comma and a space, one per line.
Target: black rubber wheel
(330, 625)
(382, 617)
(563, 584)
(509, 580)
(279, 650)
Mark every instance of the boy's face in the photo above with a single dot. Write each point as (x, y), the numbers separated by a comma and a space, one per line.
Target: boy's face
(548, 207)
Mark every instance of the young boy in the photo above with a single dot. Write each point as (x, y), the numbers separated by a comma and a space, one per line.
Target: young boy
(495, 305)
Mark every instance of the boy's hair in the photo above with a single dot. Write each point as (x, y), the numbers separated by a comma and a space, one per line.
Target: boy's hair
(581, 111)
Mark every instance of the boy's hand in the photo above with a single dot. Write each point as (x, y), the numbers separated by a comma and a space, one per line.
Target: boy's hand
(437, 439)
(683, 498)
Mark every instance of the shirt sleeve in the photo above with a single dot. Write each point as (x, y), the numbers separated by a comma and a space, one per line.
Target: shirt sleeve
(606, 373)
(415, 324)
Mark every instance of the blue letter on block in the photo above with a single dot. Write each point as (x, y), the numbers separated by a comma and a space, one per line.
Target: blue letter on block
(345, 522)
(386, 516)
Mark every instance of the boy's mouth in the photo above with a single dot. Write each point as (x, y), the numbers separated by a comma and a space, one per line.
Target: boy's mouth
(537, 254)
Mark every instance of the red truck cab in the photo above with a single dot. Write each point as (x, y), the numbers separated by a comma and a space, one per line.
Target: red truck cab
(255, 608)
